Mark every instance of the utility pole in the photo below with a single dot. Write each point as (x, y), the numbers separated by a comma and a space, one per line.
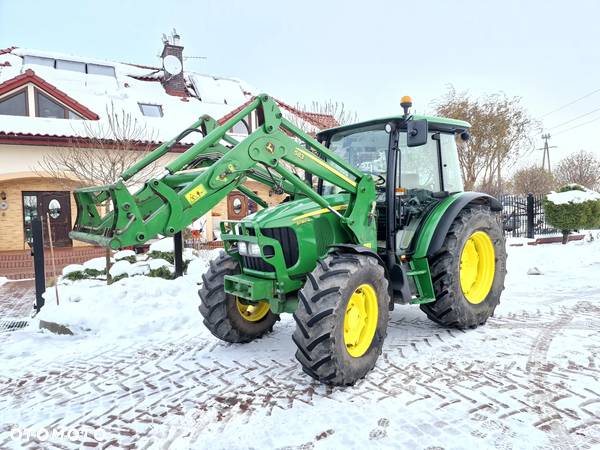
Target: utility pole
(546, 148)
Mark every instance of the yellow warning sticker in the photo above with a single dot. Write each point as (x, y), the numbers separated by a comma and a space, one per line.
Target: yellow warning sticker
(195, 194)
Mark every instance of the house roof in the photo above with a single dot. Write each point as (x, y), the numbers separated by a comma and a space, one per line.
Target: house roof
(95, 96)
(30, 77)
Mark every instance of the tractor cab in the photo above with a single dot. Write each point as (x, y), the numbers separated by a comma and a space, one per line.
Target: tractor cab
(413, 161)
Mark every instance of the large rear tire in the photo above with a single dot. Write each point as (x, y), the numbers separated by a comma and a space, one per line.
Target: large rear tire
(225, 315)
(469, 270)
(341, 319)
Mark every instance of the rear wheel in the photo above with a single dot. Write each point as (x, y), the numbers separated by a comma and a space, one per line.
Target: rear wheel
(468, 273)
(226, 316)
(341, 320)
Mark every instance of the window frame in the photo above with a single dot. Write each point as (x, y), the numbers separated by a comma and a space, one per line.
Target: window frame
(55, 62)
(14, 94)
(65, 108)
(160, 109)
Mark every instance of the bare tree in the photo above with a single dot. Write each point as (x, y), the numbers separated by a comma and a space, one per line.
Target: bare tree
(500, 134)
(331, 108)
(103, 151)
(582, 168)
(533, 179)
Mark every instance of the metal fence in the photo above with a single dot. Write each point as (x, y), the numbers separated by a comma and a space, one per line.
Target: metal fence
(523, 216)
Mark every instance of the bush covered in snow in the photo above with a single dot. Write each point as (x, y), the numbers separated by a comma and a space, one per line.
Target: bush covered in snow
(572, 208)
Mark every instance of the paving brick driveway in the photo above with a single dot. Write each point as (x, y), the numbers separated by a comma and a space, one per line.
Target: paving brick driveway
(432, 387)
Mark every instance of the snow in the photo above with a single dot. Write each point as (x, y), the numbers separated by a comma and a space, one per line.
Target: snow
(99, 92)
(119, 268)
(96, 263)
(3, 280)
(198, 266)
(73, 268)
(140, 343)
(164, 245)
(573, 197)
(159, 263)
(121, 254)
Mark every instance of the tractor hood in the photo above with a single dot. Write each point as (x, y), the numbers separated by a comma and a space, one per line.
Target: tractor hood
(296, 212)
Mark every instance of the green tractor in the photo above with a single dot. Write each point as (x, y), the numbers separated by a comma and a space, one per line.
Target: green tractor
(375, 215)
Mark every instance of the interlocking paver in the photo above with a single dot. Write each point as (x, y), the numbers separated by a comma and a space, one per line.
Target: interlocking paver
(141, 394)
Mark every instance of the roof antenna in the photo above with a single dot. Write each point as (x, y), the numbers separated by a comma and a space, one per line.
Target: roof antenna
(176, 37)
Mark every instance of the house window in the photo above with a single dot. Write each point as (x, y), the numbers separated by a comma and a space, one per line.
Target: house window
(97, 69)
(46, 107)
(151, 110)
(73, 66)
(14, 105)
(48, 62)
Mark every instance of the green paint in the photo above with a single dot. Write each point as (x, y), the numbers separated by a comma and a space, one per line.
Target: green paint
(208, 171)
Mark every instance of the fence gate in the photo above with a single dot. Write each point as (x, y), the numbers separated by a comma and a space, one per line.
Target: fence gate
(523, 216)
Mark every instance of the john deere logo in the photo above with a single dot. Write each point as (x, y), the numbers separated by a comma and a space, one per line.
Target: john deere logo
(270, 147)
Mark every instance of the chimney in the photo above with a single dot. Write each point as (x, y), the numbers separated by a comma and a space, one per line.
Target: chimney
(172, 58)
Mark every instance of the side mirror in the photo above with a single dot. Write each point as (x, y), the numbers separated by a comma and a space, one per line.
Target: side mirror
(416, 132)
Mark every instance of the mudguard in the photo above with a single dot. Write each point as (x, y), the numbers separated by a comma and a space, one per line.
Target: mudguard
(444, 223)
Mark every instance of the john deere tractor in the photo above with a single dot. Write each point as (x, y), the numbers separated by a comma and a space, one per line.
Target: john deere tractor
(374, 215)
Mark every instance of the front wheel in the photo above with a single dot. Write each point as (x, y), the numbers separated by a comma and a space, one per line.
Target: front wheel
(468, 272)
(226, 316)
(341, 320)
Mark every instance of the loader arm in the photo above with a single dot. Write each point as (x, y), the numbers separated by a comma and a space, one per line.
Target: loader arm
(183, 192)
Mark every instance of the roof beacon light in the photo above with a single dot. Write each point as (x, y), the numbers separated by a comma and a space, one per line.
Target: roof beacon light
(406, 103)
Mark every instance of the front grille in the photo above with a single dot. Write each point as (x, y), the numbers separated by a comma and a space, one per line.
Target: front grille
(289, 244)
(254, 263)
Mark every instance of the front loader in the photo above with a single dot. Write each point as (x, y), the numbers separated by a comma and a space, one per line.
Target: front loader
(374, 215)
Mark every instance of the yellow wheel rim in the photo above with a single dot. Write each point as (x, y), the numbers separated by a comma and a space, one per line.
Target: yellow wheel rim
(360, 320)
(252, 312)
(477, 267)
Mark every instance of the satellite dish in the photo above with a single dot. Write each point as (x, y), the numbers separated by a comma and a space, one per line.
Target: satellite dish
(172, 64)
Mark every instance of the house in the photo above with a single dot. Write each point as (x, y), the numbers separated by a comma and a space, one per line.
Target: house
(51, 103)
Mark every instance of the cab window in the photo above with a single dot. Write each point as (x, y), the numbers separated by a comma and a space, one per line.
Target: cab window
(419, 168)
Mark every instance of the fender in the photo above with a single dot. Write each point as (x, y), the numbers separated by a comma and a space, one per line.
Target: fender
(440, 220)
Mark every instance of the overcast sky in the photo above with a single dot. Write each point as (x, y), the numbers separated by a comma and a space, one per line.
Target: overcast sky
(364, 53)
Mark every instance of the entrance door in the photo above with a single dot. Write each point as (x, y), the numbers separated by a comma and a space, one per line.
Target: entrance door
(56, 205)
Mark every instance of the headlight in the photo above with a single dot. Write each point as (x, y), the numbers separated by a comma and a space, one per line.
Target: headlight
(249, 249)
(254, 249)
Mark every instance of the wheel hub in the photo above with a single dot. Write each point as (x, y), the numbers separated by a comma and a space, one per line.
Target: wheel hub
(360, 320)
(477, 267)
(252, 312)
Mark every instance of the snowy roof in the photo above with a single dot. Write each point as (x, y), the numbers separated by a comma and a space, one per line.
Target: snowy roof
(121, 88)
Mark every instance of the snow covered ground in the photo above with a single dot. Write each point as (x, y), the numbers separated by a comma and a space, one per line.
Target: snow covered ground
(141, 370)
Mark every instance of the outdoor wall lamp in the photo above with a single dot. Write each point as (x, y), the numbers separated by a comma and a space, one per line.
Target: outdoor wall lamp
(2, 195)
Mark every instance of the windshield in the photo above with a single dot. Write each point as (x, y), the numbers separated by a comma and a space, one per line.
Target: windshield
(364, 148)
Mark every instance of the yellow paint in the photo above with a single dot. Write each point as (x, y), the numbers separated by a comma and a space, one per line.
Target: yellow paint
(360, 320)
(319, 211)
(367, 244)
(252, 312)
(326, 166)
(195, 194)
(477, 267)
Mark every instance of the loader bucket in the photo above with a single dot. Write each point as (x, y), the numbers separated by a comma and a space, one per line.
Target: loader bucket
(93, 227)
